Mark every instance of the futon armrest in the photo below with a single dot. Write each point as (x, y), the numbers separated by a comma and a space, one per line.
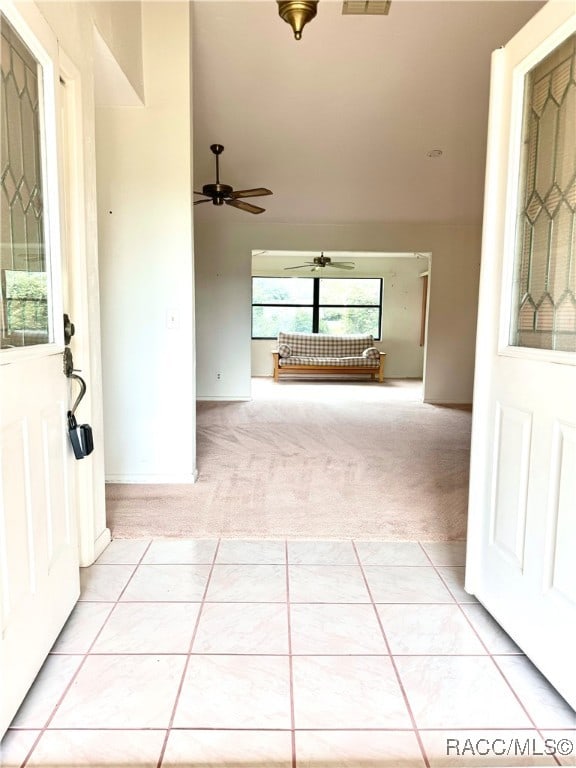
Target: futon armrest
(372, 353)
(276, 364)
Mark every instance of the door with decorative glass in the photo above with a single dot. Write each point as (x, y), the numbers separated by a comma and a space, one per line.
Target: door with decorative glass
(39, 571)
(522, 519)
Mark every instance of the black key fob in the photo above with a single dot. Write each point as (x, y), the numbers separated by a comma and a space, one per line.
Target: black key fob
(80, 437)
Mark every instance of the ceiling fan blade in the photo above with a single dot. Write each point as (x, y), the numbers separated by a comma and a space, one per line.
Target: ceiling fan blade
(248, 207)
(257, 192)
(300, 266)
(197, 202)
(341, 266)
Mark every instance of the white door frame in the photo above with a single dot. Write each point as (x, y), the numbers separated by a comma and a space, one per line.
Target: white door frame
(89, 488)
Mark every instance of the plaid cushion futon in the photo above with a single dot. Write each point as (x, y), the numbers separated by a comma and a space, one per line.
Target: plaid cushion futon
(323, 350)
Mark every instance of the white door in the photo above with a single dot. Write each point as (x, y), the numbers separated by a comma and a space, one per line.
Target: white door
(522, 520)
(39, 574)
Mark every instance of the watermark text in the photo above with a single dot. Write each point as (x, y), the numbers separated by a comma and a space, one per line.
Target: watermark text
(509, 747)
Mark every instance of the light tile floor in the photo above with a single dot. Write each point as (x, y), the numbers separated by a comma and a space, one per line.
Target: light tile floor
(283, 654)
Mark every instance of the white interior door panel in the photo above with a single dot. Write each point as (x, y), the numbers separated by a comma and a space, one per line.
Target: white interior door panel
(522, 521)
(39, 573)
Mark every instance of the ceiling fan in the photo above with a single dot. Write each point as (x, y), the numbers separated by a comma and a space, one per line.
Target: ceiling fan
(322, 261)
(223, 193)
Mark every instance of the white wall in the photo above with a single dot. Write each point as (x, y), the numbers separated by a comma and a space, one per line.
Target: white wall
(146, 263)
(401, 310)
(223, 301)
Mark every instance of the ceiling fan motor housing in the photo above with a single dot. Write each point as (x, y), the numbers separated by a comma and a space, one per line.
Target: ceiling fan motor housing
(217, 192)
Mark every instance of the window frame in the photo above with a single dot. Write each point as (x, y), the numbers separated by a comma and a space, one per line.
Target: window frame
(33, 31)
(315, 305)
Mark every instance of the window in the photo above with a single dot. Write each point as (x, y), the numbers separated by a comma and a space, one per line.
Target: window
(24, 268)
(545, 290)
(25, 306)
(329, 305)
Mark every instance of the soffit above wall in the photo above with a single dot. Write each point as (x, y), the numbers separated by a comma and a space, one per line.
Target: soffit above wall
(111, 86)
(264, 262)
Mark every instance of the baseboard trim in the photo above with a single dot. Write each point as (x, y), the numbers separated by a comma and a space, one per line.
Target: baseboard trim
(153, 479)
(444, 404)
(208, 398)
(88, 554)
(102, 542)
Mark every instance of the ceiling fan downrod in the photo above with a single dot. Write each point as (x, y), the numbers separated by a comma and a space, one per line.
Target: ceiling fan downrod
(220, 189)
(217, 149)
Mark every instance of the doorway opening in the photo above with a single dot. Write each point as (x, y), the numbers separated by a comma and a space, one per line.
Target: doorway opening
(381, 293)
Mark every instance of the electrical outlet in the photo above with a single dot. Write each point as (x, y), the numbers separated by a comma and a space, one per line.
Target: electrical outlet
(219, 376)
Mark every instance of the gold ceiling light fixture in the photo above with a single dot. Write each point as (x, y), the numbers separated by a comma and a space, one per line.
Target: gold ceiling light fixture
(297, 13)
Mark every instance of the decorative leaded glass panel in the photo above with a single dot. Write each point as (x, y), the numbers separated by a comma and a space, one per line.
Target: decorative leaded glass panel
(23, 270)
(544, 313)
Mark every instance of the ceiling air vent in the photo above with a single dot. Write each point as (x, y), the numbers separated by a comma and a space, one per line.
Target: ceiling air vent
(366, 7)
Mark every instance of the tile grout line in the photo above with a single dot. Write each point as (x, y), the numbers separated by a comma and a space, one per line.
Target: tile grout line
(290, 662)
(270, 602)
(154, 729)
(488, 652)
(83, 662)
(188, 657)
(280, 655)
(393, 663)
(270, 563)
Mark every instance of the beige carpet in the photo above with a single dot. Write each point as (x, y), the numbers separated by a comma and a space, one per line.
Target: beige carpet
(314, 459)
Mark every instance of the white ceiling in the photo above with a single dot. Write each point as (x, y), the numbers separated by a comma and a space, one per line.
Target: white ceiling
(339, 124)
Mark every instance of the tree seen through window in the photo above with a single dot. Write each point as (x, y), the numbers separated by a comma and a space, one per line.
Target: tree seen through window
(333, 306)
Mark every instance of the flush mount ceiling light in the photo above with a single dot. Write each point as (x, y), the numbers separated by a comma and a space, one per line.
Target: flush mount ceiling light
(297, 13)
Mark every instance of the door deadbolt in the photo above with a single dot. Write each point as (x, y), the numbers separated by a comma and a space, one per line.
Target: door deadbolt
(69, 330)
